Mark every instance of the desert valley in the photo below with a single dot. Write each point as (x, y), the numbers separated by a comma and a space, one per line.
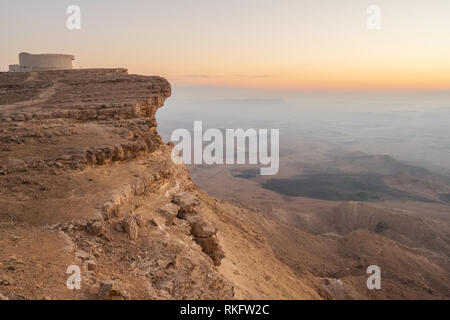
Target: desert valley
(87, 180)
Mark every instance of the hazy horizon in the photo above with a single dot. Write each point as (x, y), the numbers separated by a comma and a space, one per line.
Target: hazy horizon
(266, 45)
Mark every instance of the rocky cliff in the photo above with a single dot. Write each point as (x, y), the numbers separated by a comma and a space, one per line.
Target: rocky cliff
(86, 181)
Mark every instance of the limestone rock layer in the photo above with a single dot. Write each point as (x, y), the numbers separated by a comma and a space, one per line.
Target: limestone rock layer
(84, 178)
(86, 182)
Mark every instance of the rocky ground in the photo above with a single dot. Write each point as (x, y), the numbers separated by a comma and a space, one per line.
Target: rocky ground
(86, 181)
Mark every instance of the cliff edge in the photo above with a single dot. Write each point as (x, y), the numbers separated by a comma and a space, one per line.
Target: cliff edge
(87, 184)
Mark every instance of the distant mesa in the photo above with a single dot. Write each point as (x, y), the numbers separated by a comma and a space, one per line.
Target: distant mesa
(42, 62)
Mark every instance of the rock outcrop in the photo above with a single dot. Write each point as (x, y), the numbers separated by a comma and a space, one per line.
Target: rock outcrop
(81, 163)
(88, 191)
(86, 181)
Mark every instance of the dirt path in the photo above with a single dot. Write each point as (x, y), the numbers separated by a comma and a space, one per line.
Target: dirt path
(43, 96)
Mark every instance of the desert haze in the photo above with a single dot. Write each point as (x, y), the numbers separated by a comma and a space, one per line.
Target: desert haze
(225, 150)
(366, 184)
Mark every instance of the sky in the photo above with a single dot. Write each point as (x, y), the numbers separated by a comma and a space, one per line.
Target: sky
(305, 45)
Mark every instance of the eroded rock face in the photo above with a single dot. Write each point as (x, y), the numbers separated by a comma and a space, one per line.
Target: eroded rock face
(81, 162)
(204, 233)
(71, 109)
(187, 202)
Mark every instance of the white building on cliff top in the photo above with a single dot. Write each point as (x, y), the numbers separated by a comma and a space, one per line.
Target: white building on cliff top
(42, 62)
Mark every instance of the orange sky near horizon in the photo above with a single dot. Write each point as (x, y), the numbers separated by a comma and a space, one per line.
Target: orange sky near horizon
(269, 45)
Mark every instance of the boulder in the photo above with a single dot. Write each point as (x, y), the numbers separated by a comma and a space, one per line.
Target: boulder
(82, 255)
(131, 228)
(170, 210)
(186, 201)
(91, 265)
(201, 230)
(97, 228)
(112, 290)
(139, 220)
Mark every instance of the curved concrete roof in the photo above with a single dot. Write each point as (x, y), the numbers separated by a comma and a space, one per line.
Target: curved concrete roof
(48, 55)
